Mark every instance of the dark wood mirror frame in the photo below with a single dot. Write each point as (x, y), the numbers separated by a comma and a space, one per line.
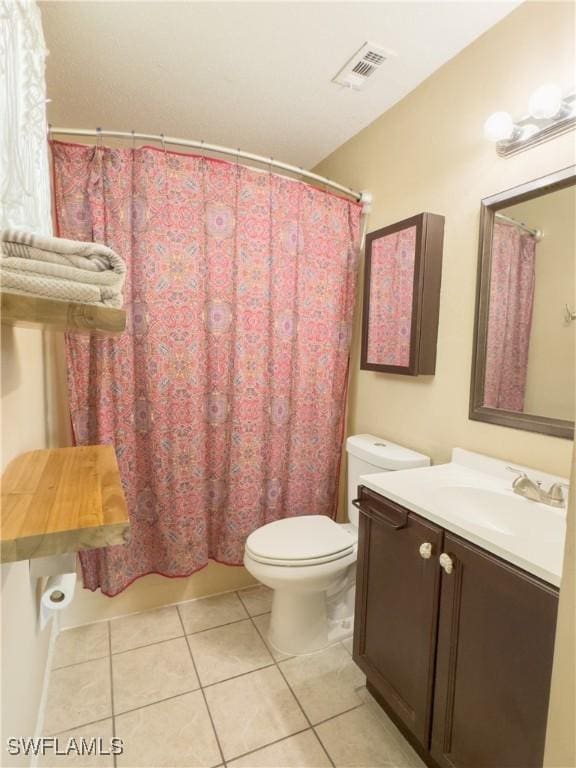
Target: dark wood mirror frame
(425, 296)
(478, 412)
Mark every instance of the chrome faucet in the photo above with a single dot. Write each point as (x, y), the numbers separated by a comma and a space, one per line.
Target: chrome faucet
(532, 489)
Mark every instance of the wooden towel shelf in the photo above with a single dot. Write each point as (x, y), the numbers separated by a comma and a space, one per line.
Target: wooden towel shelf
(62, 500)
(51, 314)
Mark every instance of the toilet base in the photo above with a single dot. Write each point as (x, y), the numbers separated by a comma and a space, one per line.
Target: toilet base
(312, 605)
(306, 622)
(298, 623)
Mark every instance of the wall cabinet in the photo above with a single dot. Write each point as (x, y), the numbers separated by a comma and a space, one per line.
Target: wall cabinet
(461, 660)
(402, 296)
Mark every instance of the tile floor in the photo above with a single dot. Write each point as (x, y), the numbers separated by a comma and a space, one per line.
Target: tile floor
(198, 685)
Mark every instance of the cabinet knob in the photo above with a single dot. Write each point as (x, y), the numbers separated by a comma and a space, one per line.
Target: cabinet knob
(446, 562)
(425, 550)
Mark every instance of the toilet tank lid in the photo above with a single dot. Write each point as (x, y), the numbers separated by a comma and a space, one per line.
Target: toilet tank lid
(384, 454)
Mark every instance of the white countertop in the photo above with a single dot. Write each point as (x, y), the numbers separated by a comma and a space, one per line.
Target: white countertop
(472, 497)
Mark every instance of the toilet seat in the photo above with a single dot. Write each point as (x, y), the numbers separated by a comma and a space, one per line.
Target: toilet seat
(300, 541)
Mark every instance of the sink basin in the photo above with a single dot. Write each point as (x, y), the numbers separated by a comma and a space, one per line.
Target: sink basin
(472, 497)
(502, 512)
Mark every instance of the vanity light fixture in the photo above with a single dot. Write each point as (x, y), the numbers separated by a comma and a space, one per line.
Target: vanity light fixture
(549, 114)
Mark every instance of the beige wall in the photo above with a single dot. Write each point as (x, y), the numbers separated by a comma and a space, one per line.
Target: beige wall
(428, 154)
(550, 382)
(24, 646)
(561, 736)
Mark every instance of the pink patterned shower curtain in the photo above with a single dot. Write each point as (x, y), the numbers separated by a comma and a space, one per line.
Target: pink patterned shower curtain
(225, 397)
(510, 317)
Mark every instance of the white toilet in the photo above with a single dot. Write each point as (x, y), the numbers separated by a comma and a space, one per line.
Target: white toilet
(310, 561)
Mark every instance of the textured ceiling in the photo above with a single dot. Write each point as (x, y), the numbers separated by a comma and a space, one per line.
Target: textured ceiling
(253, 75)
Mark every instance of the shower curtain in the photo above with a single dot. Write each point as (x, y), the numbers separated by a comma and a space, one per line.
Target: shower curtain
(225, 397)
(510, 317)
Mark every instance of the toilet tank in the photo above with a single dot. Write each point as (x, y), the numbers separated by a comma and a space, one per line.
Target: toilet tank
(368, 454)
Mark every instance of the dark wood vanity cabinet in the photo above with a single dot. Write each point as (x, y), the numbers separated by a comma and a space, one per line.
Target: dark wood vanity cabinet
(397, 593)
(494, 662)
(461, 661)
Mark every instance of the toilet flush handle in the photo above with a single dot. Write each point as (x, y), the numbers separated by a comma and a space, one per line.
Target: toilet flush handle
(425, 550)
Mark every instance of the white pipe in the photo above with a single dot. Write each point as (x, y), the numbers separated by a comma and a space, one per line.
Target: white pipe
(364, 197)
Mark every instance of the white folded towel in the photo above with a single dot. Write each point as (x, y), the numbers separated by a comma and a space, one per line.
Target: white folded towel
(67, 270)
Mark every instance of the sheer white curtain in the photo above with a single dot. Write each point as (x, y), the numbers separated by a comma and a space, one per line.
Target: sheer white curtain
(24, 175)
(26, 418)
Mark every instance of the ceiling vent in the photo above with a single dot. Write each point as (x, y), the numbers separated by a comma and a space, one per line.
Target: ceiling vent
(362, 66)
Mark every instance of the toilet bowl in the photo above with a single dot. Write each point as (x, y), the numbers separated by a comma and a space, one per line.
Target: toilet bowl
(310, 561)
(300, 558)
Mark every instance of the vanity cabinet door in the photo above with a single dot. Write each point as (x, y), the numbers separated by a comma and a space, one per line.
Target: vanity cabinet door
(397, 595)
(494, 662)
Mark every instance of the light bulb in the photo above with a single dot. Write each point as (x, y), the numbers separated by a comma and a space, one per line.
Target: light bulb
(527, 131)
(499, 127)
(546, 101)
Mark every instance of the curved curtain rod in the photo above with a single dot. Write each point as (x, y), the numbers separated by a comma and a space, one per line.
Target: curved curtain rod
(537, 233)
(363, 197)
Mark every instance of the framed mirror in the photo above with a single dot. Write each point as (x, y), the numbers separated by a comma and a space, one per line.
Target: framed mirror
(523, 373)
(402, 296)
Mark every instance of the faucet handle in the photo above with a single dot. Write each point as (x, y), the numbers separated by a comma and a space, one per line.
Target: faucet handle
(520, 475)
(516, 471)
(556, 493)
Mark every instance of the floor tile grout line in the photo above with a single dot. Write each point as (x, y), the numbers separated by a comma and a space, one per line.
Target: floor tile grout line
(240, 674)
(296, 698)
(111, 687)
(161, 607)
(109, 622)
(81, 725)
(212, 723)
(237, 593)
(190, 634)
(270, 744)
(286, 681)
(194, 690)
(248, 617)
(157, 701)
(154, 642)
(344, 712)
(146, 645)
(177, 695)
(177, 637)
(315, 732)
(217, 626)
(274, 662)
(186, 634)
(237, 596)
(84, 661)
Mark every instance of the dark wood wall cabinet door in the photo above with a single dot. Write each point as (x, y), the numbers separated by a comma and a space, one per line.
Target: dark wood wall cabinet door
(402, 296)
(397, 594)
(494, 663)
